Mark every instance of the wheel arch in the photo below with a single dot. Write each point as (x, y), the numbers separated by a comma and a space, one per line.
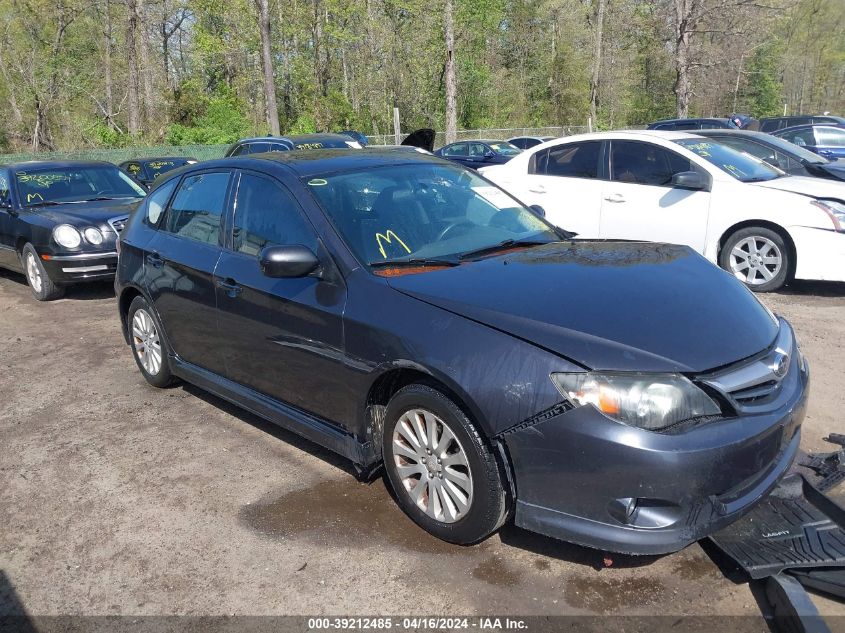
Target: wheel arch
(772, 226)
(127, 296)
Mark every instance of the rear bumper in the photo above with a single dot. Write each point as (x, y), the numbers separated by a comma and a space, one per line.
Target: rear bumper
(584, 478)
(67, 269)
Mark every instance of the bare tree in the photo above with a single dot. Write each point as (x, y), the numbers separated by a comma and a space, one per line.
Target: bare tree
(597, 53)
(451, 80)
(271, 108)
(145, 68)
(134, 123)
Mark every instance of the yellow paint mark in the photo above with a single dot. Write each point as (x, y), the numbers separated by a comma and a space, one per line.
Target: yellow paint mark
(318, 182)
(32, 196)
(387, 237)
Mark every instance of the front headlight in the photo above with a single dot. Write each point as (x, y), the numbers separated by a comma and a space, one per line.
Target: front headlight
(646, 401)
(93, 236)
(67, 236)
(835, 210)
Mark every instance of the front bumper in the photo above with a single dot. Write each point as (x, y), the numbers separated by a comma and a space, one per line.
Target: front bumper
(584, 478)
(820, 253)
(80, 267)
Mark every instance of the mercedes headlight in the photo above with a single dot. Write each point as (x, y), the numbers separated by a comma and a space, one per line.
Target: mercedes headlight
(93, 236)
(67, 236)
(836, 211)
(645, 401)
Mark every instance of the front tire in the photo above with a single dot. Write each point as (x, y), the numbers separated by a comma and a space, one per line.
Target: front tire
(149, 348)
(758, 257)
(43, 288)
(444, 476)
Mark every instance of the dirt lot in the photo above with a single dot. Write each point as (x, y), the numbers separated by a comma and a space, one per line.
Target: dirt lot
(116, 498)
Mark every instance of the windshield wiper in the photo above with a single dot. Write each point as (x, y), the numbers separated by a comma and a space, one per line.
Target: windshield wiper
(46, 203)
(486, 250)
(413, 261)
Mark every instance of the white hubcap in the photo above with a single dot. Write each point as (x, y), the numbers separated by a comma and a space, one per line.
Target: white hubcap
(33, 272)
(145, 342)
(756, 260)
(432, 465)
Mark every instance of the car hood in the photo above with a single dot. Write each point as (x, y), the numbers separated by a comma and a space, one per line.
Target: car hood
(808, 186)
(624, 306)
(96, 212)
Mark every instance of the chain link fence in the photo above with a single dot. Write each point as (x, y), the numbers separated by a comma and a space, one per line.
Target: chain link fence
(208, 152)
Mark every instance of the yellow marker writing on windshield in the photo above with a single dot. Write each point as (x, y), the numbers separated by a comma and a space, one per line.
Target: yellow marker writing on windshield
(32, 196)
(388, 236)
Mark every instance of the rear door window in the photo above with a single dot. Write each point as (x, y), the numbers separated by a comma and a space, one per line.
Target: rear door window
(197, 207)
(573, 160)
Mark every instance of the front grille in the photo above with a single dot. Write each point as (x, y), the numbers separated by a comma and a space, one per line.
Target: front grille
(755, 383)
(117, 224)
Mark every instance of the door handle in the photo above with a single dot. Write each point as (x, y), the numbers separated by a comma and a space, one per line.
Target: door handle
(155, 260)
(232, 288)
(537, 189)
(615, 197)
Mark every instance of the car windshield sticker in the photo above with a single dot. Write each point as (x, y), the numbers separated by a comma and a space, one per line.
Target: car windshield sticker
(158, 164)
(318, 182)
(494, 196)
(387, 238)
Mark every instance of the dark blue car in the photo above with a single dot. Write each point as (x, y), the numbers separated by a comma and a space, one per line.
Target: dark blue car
(477, 154)
(59, 221)
(824, 140)
(682, 125)
(403, 311)
(260, 144)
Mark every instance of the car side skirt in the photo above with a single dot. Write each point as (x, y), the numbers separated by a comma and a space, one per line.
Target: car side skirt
(308, 426)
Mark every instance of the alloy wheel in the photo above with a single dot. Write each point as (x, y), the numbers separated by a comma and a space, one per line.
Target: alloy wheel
(33, 273)
(756, 260)
(432, 465)
(145, 341)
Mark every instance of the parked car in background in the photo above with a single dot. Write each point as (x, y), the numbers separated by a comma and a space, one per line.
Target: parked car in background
(146, 170)
(824, 140)
(524, 142)
(356, 136)
(59, 221)
(258, 145)
(675, 187)
(744, 121)
(791, 158)
(692, 124)
(354, 297)
(477, 154)
(773, 124)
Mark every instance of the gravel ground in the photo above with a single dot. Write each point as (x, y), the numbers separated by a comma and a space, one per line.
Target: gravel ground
(117, 498)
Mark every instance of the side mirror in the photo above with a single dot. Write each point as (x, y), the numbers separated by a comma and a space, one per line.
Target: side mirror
(292, 260)
(536, 208)
(489, 154)
(689, 180)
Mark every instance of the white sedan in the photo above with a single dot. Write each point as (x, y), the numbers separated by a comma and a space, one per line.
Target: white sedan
(739, 212)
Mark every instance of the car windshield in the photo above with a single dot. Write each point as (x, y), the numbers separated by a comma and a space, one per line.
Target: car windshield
(156, 168)
(423, 212)
(741, 166)
(504, 148)
(74, 184)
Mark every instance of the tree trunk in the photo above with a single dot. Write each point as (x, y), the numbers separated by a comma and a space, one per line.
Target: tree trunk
(145, 69)
(271, 108)
(107, 66)
(132, 62)
(683, 30)
(451, 80)
(597, 54)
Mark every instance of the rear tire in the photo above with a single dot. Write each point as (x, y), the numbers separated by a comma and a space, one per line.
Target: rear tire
(39, 281)
(149, 347)
(444, 476)
(758, 257)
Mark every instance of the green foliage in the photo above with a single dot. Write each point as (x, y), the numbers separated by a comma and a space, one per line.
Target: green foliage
(222, 121)
(763, 90)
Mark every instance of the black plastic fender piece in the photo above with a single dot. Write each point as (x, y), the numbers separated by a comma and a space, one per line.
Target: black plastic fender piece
(792, 608)
(794, 527)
